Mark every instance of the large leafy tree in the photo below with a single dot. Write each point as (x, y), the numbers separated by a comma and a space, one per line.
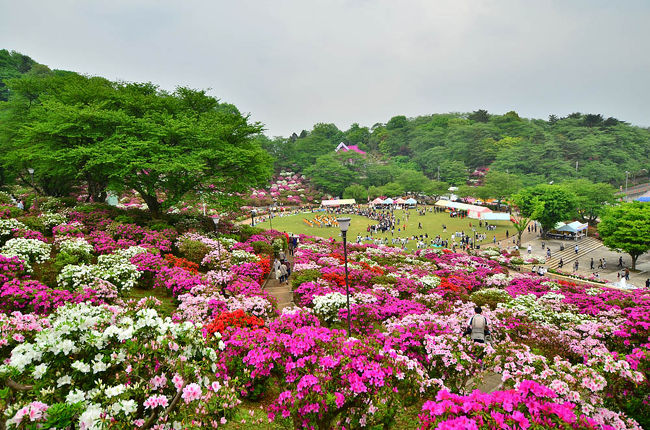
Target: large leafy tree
(627, 228)
(499, 186)
(133, 136)
(548, 204)
(592, 198)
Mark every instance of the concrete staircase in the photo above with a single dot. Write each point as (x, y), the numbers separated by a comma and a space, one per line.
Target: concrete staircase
(282, 292)
(568, 256)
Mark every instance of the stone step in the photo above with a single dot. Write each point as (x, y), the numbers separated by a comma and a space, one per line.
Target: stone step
(570, 256)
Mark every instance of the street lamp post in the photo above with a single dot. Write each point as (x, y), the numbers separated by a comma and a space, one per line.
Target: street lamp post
(627, 174)
(31, 174)
(253, 217)
(216, 220)
(344, 224)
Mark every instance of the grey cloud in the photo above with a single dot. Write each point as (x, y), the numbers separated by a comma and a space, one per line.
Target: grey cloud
(291, 63)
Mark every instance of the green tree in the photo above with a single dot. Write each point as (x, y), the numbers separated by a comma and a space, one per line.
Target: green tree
(134, 136)
(392, 189)
(627, 228)
(499, 186)
(435, 189)
(548, 204)
(592, 198)
(480, 115)
(412, 180)
(330, 174)
(357, 192)
(453, 172)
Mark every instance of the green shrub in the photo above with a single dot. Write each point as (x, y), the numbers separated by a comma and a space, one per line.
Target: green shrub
(63, 259)
(14, 212)
(193, 250)
(262, 247)
(383, 280)
(5, 198)
(124, 219)
(298, 278)
(280, 244)
(35, 223)
(490, 297)
(159, 225)
(246, 231)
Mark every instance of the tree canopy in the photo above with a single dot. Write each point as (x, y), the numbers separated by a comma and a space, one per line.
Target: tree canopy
(115, 135)
(547, 204)
(626, 227)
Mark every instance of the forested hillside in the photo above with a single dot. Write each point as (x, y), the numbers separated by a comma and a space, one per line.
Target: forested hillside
(451, 146)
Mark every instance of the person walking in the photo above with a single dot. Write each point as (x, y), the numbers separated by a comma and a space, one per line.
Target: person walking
(282, 256)
(477, 326)
(647, 283)
(600, 263)
(620, 262)
(591, 264)
(627, 274)
(530, 249)
(548, 253)
(561, 263)
(284, 273)
(575, 266)
(575, 248)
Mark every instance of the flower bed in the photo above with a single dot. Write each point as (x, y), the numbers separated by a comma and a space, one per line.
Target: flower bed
(568, 355)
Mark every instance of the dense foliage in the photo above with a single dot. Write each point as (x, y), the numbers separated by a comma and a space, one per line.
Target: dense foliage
(119, 136)
(450, 146)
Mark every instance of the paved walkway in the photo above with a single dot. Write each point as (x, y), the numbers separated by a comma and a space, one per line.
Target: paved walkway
(587, 249)
(282, 292)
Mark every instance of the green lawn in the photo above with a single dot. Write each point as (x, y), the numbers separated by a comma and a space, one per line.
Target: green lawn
(431, 225)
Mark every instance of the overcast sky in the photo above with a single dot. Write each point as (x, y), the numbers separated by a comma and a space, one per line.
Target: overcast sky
(294, 63)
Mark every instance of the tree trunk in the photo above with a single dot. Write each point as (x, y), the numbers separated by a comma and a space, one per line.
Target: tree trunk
(634, 257)
(152, 202)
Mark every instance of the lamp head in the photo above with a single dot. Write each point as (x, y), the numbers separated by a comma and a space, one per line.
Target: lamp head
(215, 220)
(31, 171)
(344, 224)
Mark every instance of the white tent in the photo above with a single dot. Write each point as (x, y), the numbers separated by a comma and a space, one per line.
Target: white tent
(473, 211)
(411, 201)
(388, 201)
(495, 216)
(338, 202)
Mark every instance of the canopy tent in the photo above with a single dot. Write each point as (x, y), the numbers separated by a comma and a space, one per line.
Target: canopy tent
(473, 211)
(400, 201)
(573, 227)
(338, 202)
(377, 201)
(495, 216)
(411, 201)
(573, 230)
(644, 197)
(388, 201)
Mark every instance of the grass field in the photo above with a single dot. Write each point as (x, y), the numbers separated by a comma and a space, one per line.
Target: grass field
(431, 225)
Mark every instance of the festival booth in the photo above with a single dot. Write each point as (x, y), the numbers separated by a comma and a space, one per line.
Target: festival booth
(473, 211)
(411, 202)
(573, 230)
(388, 201)
(496, 216)
(400, 202)
(644, 198)
(376, 202)
(338, 202)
